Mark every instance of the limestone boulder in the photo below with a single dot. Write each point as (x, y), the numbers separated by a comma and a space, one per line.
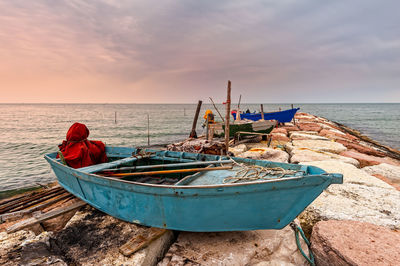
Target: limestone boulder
(269, 154)
(310, 127)
(290, 128)
(332, 134)
(280, 137)
(361, 197)
(360, 148)
(280, 130)
(316, 145)
(298, 135)
(354, 243)
(387, 170)
(261, 247)
(351, 174)
(367, 160)
(304, 155)
(238, 149)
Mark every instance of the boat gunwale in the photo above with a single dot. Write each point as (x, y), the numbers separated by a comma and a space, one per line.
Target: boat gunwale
(82, 174)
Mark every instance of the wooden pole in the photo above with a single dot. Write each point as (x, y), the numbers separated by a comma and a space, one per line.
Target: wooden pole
(294, 120)
(217, 109)
(227, 116)
(115, 117)
(262, 112)
(148, 130)
(207, 125)
(238, 109)
(196, 116)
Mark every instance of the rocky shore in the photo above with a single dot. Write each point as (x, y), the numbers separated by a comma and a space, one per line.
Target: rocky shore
(354, 223)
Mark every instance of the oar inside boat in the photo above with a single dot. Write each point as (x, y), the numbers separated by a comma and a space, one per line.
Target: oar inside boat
(163, 172)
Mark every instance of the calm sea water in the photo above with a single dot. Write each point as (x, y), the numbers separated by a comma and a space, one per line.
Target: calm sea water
(28, 131)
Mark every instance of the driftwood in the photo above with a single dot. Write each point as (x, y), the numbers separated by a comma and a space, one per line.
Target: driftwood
(139, 242)
(44, 217)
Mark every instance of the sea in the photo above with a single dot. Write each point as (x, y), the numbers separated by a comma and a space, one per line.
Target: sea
(29, 131)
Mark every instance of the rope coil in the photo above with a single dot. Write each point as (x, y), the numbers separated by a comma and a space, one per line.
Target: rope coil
(256, 172)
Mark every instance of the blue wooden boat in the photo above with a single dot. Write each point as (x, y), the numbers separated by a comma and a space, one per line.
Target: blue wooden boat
(209, 201)
(281, 116)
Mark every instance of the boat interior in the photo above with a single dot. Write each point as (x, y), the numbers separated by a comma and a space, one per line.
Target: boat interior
(173, 168)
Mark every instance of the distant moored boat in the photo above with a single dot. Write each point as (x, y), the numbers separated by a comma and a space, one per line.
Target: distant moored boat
(281, 116)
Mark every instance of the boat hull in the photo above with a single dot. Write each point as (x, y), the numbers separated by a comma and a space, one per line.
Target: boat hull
(282, 116)
(262, 127)
(245, 206)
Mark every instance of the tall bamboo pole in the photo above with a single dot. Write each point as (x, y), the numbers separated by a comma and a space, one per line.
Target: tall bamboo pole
(216, 109)
(227, 116)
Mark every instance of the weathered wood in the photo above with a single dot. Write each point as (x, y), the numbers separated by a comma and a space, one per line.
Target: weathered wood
(140, 241)
(168, 165)
(172, 171)
(262, 112)
(207, 125)
(238, 108)
(21, 213)
(196, 116)
(44, 217)
(30, 198)
(217, 109)
(294, 120)
(227, 116)
(148, 130)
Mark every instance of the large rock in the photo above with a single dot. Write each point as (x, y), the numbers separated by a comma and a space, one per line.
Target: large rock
(367, 160)
(279, 130)
(354, 243)
(361, 197)
(310, 127)
(304, 155)
(290, 127)
(261, 247)
(298, 135)
(238, 149)
(360, 148)
(279, 137)
(387, 170)
(332, 134)
(316, 145)
(268, 154)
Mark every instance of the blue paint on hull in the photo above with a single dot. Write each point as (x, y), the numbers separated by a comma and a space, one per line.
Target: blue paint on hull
(268, 204)
(282, 116)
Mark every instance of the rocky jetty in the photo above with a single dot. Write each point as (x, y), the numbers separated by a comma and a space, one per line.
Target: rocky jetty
(354, 223)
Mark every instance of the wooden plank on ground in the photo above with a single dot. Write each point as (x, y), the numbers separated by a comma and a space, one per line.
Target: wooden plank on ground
(139, 242)
(45, 216)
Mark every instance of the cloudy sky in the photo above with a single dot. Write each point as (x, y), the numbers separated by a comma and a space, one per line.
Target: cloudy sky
(118, 51)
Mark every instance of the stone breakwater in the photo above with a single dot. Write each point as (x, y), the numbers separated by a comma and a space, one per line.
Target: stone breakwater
(354, 223)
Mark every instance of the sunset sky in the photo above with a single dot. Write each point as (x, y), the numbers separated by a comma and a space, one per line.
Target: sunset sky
(165, 51)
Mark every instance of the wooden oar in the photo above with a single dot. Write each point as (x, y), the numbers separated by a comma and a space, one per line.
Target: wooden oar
(167, 165)
(173, 171)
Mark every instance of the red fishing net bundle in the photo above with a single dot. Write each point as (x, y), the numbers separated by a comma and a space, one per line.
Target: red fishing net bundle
(78, 151)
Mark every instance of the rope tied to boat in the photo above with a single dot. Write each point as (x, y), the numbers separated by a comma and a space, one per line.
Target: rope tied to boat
(297, 230)
(256, 172)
